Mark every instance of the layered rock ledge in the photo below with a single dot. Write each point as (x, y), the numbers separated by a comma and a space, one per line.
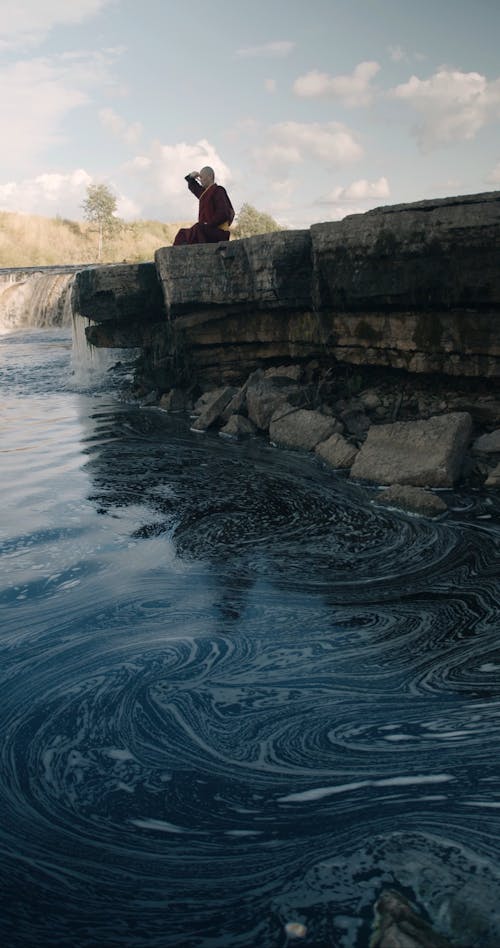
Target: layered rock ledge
(373, 341)
(412, 286)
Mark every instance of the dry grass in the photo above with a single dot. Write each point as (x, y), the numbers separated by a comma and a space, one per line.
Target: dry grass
(27, 241)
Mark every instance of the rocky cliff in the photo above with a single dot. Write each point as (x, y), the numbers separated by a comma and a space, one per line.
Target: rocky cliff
(413, 287)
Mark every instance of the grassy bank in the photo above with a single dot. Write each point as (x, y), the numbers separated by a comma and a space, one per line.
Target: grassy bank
(26, 240)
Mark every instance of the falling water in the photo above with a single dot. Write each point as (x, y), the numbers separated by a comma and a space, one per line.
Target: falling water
(37, 298)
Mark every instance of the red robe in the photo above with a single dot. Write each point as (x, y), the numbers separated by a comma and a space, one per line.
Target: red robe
(215, 210)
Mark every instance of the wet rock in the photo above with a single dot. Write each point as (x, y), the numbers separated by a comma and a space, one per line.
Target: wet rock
(177, 399)
(236, 406)
(487, 443)
(398, 925)
(213, 409)
(421, 453)
(412, 499)
(265, 395)
(336, 451)
(206, 398)
(150, 399)
(238, 427)
(493, 479)
(300, 428)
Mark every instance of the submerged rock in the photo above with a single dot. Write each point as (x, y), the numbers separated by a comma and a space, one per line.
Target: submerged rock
(493, 479)
(238, 427)
(398, 925)
(214, 408)
(413, 499)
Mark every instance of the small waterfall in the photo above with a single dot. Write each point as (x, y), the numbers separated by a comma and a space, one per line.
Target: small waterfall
(92, 365)
(35, 299)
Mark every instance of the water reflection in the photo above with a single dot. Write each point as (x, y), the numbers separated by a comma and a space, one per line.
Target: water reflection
(238, 694)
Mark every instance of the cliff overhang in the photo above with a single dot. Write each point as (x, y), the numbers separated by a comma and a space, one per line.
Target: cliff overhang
(412, 286)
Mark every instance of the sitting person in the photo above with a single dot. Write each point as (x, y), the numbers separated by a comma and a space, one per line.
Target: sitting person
(215, 214)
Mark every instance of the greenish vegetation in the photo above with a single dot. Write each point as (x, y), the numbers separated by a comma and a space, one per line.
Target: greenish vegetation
(99, 209)
(30, 241)
(250, 222)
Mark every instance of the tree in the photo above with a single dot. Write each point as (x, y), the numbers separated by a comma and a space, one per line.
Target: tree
(250, 221)
(99, 208)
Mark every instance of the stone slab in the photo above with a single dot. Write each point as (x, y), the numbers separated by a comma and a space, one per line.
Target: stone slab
(420, 453)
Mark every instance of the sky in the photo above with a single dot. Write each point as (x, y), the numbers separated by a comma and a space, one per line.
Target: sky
(308, 110)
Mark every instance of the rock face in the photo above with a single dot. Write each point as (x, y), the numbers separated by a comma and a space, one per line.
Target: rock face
(420, 453)
(272, 271)
(123, 301)
(413, 287)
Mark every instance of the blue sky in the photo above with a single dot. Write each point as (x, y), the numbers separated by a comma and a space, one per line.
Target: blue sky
(307, 109)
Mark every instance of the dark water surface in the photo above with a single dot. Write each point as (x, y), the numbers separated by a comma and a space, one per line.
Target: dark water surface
(235, 693)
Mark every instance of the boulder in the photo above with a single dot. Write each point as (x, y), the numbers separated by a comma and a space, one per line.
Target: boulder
(398, 925)
(265, 395)
(487, 443)
(356, 422)
(299, 428)
(421, 453)
(213, 409)
(413, 499)
(236, 406)
(493, 479)
(238, 427)
(177, 399)
(336, 451)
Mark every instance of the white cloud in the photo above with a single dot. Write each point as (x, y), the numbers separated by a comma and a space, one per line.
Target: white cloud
(160, 175)
(292, 143)
(270, 85)
(47, 194)
(52, 194)
(126, 208)
(359, 191)
(454, 105)
(494, 176)
(27, 22)
(118, 127)
(275, 50)
(352, 90)
(41, 92)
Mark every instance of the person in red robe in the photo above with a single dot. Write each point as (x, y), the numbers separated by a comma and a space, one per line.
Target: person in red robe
(215, 213)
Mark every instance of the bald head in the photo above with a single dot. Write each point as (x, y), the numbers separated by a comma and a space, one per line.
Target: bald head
(207, 176)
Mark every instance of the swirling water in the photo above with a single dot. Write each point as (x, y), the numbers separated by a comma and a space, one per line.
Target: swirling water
(235, 692)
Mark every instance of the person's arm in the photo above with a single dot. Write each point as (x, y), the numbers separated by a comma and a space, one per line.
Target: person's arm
(192, 183)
